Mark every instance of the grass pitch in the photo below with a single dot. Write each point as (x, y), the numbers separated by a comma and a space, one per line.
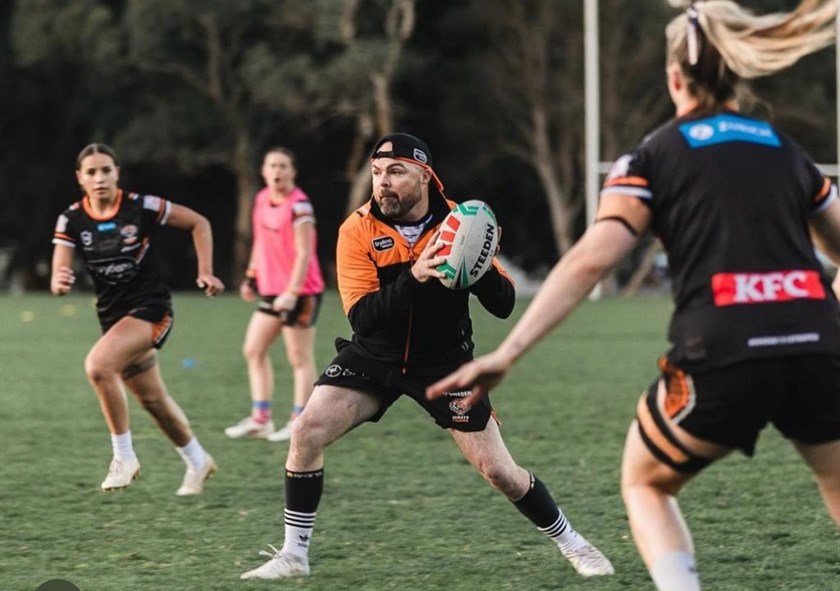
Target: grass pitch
(401, 508)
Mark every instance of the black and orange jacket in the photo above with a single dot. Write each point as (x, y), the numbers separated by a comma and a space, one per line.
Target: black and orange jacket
(420, 328)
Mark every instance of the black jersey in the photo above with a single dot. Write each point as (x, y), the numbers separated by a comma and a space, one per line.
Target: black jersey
(730, 198)
(116, 251)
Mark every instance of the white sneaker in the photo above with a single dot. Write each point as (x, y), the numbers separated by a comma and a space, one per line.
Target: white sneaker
(193, 483)
(248, 427)
(120, 474)
(587, 559)
(284, 433)
(281, 566)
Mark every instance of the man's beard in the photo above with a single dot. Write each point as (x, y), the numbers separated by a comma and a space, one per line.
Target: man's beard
(395, 207)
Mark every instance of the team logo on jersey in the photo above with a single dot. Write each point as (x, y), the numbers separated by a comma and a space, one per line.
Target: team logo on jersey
(383, 243)
(701, 132)
(129, 233)
(87, 237)
(759, 288)
(722, 129)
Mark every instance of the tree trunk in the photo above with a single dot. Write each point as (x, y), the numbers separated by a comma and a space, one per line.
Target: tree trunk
(244, 204)
(358, 170)
(558, 206)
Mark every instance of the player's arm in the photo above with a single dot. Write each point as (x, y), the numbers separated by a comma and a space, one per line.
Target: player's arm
(248, 285)
(62, 277)
(495, 291)
(185, 218)
(620, 220)
(825, 231)
(304, 233)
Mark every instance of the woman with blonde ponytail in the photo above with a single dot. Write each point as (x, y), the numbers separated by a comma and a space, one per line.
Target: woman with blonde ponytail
(755, 334)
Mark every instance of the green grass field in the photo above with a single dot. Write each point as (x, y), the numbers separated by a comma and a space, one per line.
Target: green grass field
(401, 508)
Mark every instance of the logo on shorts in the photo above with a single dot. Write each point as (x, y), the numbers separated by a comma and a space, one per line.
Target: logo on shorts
(458, 407)
(383, 243)
(333, 371)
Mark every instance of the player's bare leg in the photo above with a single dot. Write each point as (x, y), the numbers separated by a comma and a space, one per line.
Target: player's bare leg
(127, 340)
(824, 461)
(487, 452)
(649, 489)
(144, 380)
(262, 331)
(299, 342)
(330, 413)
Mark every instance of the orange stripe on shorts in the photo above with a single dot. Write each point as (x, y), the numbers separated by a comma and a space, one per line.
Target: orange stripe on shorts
(160, 329)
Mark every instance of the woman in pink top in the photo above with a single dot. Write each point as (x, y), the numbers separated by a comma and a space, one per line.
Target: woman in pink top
(285, 274)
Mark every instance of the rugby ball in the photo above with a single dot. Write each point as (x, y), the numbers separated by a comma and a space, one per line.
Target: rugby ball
(470, 236)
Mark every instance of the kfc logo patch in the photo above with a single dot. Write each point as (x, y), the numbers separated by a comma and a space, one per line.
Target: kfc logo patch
(758, 288)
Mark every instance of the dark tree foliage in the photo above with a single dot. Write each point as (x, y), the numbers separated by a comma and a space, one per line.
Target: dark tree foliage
(190, 93)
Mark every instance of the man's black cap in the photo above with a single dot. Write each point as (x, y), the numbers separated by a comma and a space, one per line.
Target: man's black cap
(407, 147)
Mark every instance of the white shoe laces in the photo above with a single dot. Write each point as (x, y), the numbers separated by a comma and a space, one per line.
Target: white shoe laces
(275, 553)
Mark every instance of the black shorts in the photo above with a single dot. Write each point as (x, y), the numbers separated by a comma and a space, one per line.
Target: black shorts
(159, 315)
(349, 370)
(731, 405)
(303, 315)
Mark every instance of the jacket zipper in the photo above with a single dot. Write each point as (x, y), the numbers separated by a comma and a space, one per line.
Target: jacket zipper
(410, 317)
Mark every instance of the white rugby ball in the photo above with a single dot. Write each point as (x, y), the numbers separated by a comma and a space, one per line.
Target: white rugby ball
(470, 236)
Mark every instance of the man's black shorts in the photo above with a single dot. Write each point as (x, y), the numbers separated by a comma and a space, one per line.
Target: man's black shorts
(730, 405)
(353, 371)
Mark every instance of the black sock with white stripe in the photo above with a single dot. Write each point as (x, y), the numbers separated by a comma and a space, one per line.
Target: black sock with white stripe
(538, 506)
(303, 493)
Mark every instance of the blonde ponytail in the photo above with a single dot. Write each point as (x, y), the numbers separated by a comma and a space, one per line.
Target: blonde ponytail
(734, 43)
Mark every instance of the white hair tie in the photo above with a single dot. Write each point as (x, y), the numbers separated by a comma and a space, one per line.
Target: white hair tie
(692, 37)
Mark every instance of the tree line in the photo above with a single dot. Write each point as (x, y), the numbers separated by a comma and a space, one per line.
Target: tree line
(191, 92)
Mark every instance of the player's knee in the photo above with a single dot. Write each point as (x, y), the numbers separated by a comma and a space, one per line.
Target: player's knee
(151, 403)
(251, 352)
(97, 370)
(308, 432)
(660, 481)
(499, 477)
(300, 360)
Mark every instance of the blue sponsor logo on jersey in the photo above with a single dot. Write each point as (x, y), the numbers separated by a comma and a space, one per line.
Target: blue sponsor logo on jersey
(721, 129)
(106, 226)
